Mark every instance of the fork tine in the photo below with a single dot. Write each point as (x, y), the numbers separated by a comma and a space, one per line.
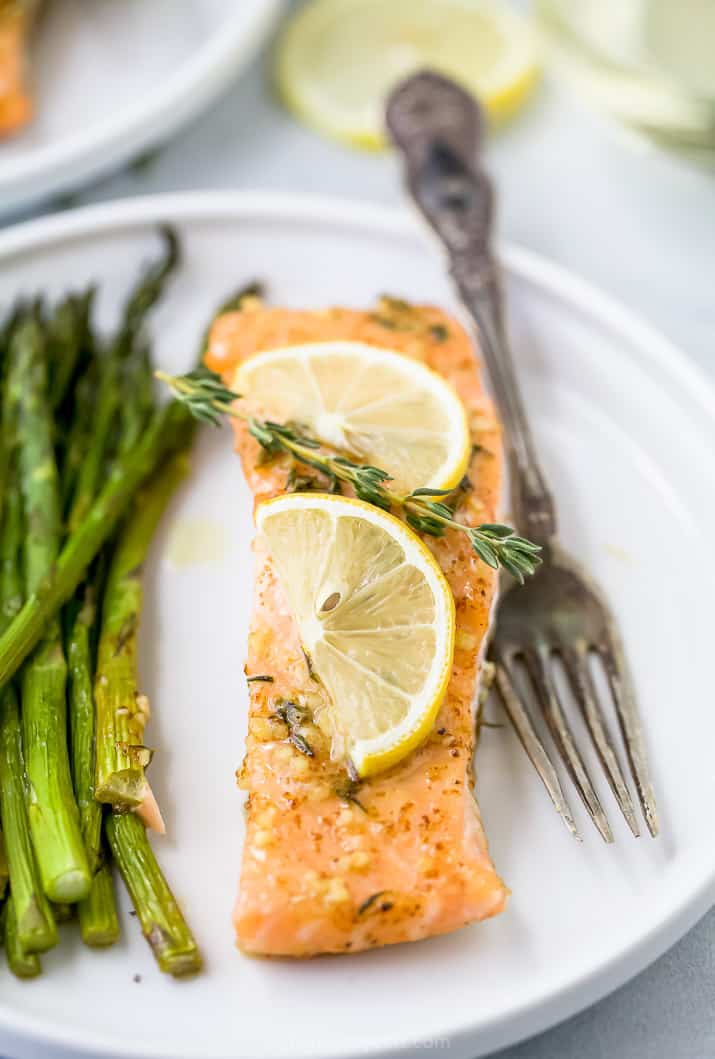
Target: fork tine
(532, 744)
(563, 737)
(575, 661)
(631, 728)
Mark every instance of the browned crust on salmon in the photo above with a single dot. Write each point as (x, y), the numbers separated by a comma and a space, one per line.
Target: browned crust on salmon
(328, 867)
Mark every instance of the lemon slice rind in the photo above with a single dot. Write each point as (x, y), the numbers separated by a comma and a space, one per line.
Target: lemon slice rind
(378, 751)
(337, 59)
(425, 443)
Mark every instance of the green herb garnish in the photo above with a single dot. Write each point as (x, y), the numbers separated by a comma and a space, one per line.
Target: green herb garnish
(372, 900)
(348, 791)
(295, 717)
(426, 510)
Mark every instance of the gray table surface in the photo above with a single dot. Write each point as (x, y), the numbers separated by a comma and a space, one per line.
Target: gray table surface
(637, 223)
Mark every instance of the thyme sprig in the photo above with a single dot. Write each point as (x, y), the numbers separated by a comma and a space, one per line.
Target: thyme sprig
(425, 510)
(295, 716)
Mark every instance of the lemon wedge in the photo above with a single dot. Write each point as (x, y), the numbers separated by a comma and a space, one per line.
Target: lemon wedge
(380, 406)
(375, 614)
(337, 60)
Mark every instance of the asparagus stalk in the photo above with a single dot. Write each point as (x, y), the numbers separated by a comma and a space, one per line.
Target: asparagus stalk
(95, 458)
(121, 713)
(162, 922)
(79, 432)
(10, 322)
(148, 290)
(169, 429)
(4, 868)
(138, 397)
(98, 919)
(140, 301)
(98, 916)
(82, 724)
(34, 922)
(54, 819)
(66, 333)
(23, 964)
(6, 414)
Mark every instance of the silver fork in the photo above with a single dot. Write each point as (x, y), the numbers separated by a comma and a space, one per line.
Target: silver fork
(559, 612)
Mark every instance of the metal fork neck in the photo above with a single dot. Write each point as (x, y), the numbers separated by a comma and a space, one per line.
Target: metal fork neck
(439, 129)
(477, 279)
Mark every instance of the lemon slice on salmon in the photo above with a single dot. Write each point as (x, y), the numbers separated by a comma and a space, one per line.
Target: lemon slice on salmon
(380, 406)
(375, 614)
(338, 59)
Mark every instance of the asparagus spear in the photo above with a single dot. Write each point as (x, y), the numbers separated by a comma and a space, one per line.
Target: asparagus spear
(149, 290)
(4, 867)
(141, 299)
(22, 964)
(162, 923)
(66, 334)
(54, 819)
(10, 322)
(137, 396)
(95, 458)
(121, 713)
(34, 919)
(170, 428)
(98, 913)
(82, 724)
(35, 925)
(6, 416)
(98, 916)
(99, 923)
(79, 432)
(98, 920)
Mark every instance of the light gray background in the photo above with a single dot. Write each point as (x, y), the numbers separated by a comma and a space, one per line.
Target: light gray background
(639, 224)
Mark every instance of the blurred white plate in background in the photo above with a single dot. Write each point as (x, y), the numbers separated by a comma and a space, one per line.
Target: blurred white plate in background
(626, 428)
(114, 77)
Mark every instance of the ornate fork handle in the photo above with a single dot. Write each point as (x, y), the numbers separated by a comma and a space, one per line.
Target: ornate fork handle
(434, 123)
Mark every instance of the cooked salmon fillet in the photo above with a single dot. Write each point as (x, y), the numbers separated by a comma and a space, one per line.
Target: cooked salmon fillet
(16, 18)
(330, 865)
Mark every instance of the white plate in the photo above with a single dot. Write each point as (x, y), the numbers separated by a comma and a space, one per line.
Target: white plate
(627, 432)
(114, 77)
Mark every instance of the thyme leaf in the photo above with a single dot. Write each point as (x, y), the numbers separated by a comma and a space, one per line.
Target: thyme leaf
(439, 332)
(368, 903)
(348, 790)
(294, 716)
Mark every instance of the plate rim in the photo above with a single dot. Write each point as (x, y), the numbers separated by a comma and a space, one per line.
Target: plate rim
(91, 221)
(55, 168)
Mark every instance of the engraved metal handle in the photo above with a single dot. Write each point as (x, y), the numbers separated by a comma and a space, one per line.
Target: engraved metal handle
(438, 129)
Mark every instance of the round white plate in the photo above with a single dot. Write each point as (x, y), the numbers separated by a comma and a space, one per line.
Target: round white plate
(627, 432)
(113, 77)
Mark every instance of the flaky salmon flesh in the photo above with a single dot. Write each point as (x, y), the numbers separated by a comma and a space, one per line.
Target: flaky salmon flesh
(331, 865)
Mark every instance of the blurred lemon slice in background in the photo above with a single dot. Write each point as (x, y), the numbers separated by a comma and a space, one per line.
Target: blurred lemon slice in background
(337, 60)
